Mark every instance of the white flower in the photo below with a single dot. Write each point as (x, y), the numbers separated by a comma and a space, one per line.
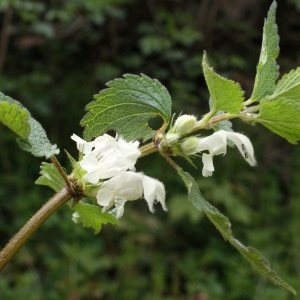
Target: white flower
(217, 144)
(106, 157)
(114, 159)
(130, 186)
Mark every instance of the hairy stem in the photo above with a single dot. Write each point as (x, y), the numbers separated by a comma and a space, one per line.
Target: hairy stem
(148, 149)
(32, 225)
(61, 171)
(223, 117)
(204, 122)
(208, 120)
(170, 161)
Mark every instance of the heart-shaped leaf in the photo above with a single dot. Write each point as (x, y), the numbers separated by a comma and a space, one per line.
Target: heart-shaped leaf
(126, 107)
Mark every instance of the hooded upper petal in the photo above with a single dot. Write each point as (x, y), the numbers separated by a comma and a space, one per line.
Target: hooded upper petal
(244, 145)
(105, 142)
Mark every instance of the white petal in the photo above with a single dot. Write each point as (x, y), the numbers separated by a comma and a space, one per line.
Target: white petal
(83, 146)
(120, 211)
(119, 202)
(109, 158)
(77, 139)
(127, 185)
(216, 143)
(153, 190)
(106, 208)
(208, 166)
(105, 143)
(90, 161)
(75, 217)
(105, 196)
(104, 172)
(92, 177)
(130, 185)
(129, 151)
(244, 145)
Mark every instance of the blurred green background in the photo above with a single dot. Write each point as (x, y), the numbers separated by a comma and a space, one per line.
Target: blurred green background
(54, 56)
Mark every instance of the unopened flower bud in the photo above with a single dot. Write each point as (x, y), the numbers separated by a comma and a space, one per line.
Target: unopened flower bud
(184, 124)
(171, 138)
(189, 146)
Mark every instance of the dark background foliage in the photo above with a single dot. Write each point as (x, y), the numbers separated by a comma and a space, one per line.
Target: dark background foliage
(54, 56)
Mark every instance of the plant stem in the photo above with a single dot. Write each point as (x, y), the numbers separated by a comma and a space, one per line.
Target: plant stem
(252, 109)
(170, 161)
(204, 122)
(208, 120)
(32, 225)
(148, 149)
(61, 171)
(223, 117)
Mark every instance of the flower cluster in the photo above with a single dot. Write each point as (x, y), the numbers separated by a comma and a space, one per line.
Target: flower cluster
(214, 144)
(108, 163)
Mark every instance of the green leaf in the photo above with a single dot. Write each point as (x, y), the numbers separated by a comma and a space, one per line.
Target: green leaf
(50, 177)
(267, 69)
(14, 116)
(288, 86)
(223, 224)
(37, 143)
(281, 116)
(33, 137)
(225, 95)
(126, 106)
(92, 216)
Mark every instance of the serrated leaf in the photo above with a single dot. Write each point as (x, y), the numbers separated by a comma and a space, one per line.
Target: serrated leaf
(225, 95)
(50, 177)
(126, 106)
(288, 86)
(281, 116)
(33, 137)
(223, 224)
(14, 116)
(92, 216)
(267, 69)
(37, 142)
